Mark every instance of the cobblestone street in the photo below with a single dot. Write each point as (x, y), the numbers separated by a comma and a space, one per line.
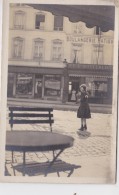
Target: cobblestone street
(92, 151)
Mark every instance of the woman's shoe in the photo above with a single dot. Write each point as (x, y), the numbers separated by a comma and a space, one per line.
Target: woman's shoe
(85, 127)
(82, 128)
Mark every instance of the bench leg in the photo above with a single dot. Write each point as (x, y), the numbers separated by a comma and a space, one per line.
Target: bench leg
(24, 163)
(12, 156)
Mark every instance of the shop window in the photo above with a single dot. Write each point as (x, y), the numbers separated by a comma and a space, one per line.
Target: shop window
(39, 21)
(18, 47)
(57, 50)
(97, 87)
(24, 84)
(52, 85)
(97, 55)
(38, 49)
(19, 22)
(58, 23)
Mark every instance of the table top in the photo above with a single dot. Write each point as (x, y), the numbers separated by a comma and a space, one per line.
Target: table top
(37, 141)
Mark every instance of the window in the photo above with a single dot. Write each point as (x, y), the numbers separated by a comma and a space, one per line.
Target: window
(78, 28)
(24, 84)
(19, 20)
(52, 85)
(58, 23)
(57, 50)
(97, 30)
(38, 49)
(77, 53)
(97, 87)
(17, 47)
(39, 22)
(97, 56)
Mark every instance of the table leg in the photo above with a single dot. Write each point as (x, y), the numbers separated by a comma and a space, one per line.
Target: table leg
(52, 162)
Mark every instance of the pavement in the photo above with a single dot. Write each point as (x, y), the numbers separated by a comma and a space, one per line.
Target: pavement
(72, 106)
(91, 152)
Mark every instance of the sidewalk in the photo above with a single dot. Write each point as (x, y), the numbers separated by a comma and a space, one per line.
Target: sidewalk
(91, 152)
(95, 108)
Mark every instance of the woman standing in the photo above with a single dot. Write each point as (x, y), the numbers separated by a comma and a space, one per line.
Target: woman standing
(83, 110)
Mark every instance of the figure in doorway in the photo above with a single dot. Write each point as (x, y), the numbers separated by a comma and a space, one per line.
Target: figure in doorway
(83, 110)
(38, 89)
(73, 95)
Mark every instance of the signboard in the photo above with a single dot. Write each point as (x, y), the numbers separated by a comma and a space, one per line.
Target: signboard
(76, 40)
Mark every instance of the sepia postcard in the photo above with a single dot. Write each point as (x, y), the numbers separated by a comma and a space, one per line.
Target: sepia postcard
(59, 81)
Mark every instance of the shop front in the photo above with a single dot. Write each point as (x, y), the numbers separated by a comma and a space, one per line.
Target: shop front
(98, 80)
(61, 85)
(33, 83)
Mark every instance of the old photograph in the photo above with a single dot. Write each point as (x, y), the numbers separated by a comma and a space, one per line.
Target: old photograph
(60, 92)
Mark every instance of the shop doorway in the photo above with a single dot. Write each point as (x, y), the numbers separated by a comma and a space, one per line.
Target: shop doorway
(38, 86)
(74, 84)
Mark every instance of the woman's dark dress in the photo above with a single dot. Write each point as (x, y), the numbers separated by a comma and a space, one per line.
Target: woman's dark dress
(84, 110)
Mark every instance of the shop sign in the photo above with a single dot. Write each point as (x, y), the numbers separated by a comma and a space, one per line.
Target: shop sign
(89, 40)
(52, 84)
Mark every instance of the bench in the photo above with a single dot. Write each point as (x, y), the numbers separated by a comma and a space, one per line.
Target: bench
(35, 141)
(26, 115)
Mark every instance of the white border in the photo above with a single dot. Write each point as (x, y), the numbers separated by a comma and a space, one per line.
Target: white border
(53, 188)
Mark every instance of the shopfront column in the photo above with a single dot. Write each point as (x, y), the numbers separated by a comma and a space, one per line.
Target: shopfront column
(66, 83)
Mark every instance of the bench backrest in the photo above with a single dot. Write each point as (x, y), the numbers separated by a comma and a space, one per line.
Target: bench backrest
(26, 115)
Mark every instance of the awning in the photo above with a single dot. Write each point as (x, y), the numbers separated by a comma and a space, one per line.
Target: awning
(96, 77)
(92, 15)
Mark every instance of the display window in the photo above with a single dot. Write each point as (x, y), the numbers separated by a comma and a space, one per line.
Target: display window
(52, 85)
(24, 84)
(97, 87)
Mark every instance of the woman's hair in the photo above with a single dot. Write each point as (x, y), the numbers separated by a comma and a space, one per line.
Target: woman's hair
(84, 86)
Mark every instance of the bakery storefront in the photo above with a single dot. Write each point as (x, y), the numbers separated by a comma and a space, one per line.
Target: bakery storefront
(29, 82)
(98, 79)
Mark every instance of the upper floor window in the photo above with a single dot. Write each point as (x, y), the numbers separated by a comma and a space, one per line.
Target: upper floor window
(97, 30)
(97, 56)
(57, 50)
(78, 28)
(18, 47)
(39, 21)
(58, 23)
(19, 22)
(77, 53)
(39, 49)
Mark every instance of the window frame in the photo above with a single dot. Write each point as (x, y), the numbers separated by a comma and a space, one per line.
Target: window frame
(62, 49)
(43, 53)
(96, 51)
(40, 13)
(13, 47)
(58, 28)
(23, 14)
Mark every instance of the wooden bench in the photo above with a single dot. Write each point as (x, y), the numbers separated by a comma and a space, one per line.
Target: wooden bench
(26, 115)
(35, 141)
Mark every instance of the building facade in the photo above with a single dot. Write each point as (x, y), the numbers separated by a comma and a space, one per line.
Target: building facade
(50, 57)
